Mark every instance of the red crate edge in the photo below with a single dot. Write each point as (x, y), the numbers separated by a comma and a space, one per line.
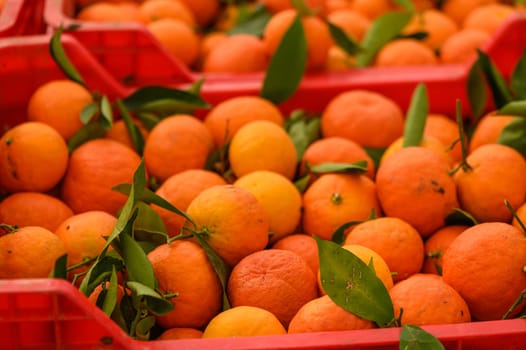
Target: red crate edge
(69, 305)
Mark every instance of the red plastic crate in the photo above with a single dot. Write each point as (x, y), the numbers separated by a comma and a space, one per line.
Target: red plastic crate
(135, 58)
(22, 17)
(53, 314)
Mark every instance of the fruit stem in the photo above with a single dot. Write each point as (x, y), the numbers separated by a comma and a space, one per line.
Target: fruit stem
(464, 165)
(84, 262)
(517, 302)
(9, 228)
(515, 215)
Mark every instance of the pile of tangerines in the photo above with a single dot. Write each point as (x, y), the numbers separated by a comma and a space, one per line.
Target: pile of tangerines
(260, 202)
(213, 35)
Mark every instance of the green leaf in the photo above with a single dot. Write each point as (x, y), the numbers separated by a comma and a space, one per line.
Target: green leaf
(385, 28)
(89, 112)
(127, 211)
(406, 4)
(143, 328)
(152, 198)
(60, 270)
(416, 117)
(303, 130)
(414, 35)
(302, 8)
(476, 90)
(61, 59)
(338, 236)
(149, 226)
(132, 128)
(106, 113)
(517, 108)
(375, 154)
(110, 295)
(86, 133)
(155, 302)
(343, 40)
(148, 119)
(518, 80)
(415, 338)
(220, 266)
(352, 285)
(514, 134)
(287, 65)
(302, 183)
(500, 91)
(99, 271)
(460, 217)
(329, 167)
(137, 264)
(162, 99)
(254, 23)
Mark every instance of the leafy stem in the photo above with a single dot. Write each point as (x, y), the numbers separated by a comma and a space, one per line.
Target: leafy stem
(464, 165)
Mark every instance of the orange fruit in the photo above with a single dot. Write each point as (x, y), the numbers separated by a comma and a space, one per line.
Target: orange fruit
(335, 199)
(119, 132)
(405, 52)
(488, 17)
(180, 189)
(232, 221)
(205, 11)
(255, 279)
(353, 23)
(33, 157)
(324, 315)
(496, 174)
(521, 214)
(33, 209)
(414, 185)
(262, 145)
(280, 197)
(180, 333)
(243, 321)
(339, 60)
(335, 149)
(462, 46)
(460, 9)
(29, 252)
(426, 299)
(317, 36)
(183, 267)
(177, 38)
(177, 143)
(59, 103)
(488, 129)
(94, 169)
(112, 11)
(228, 116)
(157, 9)
(485, 265)
(438, 26)
(366, 117)
(435, 246)
(209, 41)
(302, 244)
(239, 53)
(395, 240)
(84, 236)
(445, 129)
